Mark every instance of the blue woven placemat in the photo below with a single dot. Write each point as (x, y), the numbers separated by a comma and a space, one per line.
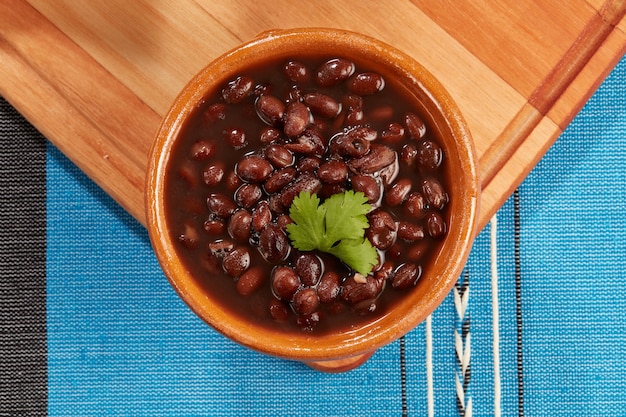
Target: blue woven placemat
(534, 327)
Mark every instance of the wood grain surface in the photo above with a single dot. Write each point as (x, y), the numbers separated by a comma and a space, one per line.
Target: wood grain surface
(96, 77)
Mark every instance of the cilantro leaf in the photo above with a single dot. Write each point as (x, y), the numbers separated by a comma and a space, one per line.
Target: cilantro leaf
(345, 215)
(337, 227)
(358, 254)
(306, 212)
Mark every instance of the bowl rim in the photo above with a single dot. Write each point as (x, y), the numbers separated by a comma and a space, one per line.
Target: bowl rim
(311, 347)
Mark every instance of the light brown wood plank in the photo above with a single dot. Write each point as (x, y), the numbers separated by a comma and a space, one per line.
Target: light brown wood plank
(576, 94)
(153, 48)
(77, 105)
(520, 40)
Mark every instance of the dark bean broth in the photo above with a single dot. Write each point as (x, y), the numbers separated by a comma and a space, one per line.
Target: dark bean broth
(414, 238)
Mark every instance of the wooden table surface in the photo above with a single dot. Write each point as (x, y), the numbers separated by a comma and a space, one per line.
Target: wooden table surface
(96, 77)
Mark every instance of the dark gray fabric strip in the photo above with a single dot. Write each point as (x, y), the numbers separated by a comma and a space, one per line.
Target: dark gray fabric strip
(405, 409)
(518, 297)
(23, 353)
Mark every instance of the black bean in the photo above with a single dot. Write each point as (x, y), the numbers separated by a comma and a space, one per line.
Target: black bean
(239, 225)
(203, 149)
(270, 109)
(333, 172)
(237, 90)
(415, 205)
(305, 301)
(307, 322)
(406, 276)
(305, 182)
(248, 194)
(308, 164)
(368, 186)
(328, 190)
(410, 232)
(261, 215)
(353, 106)
(309, 268)
(296, 119)
(384, 272)
(322, 105)
(214, 113)
(235, 137)
(360, 289)
(408, 153)
(380, 238)
(261, 89)
(275, 203)
(363, 133)
(333, 72)
(279, 179)
(381, 219)
(283, 220)
(435, 225)
(349, 146)
(379, 157)
(295, 95)
(221, 205)
(366, 83)
(253, 168)
(273, 244)
(236, 262)
(213, 173)
(434, 193)
(285, 282)
(309, 142)
(297, 72)
(415, 127)
(329, 287)
(215, 226)
(279, 156)
(278, 310)
(394, 133)
(251, 280)
(429, 154)
(389, 173)
(269, 135)
(398, 192)
(233, 181)
(220, 248)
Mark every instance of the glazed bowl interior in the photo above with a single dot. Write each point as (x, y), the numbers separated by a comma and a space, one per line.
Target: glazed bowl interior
(432, 102)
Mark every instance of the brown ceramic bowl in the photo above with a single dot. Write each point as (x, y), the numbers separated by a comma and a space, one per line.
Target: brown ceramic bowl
(345, 350)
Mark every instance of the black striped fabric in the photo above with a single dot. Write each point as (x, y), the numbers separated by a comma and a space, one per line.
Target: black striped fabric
(23, 370)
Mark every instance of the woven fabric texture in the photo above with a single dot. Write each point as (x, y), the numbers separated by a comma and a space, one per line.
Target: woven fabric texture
(22, 266)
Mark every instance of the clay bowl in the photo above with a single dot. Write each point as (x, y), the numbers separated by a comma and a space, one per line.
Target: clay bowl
(343, 350)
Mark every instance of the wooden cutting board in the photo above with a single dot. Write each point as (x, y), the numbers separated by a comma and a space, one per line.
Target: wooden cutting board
(96, 77)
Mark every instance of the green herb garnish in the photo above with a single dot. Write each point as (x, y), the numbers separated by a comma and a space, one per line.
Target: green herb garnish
(337, 227)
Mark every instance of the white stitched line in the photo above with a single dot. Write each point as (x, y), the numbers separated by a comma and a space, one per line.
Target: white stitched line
(495, 320)
(463, 349)
(429, 367)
